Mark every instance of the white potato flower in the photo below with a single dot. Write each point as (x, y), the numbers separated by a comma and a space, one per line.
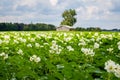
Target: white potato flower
(110, 66)
(35, 58)
(110, 49)
(70, 48)
(110, 37)
(22, 40)
(77, 35)
(58, 51)
(82, 42)
(98, 39)
(6, 41)
(96, 45)
(103, 36)
(15, 41)
(88, 51)
(5, 56)
(92, 39)
(45, 43)
(37, 45)
(28, 34)
(117, 71)
(7, 37)
(2, 54)
(96, 34)
(119, 47)
(67, 39)
(60, 66)
(31, 58)
(29, 45)
(118, 43)
(32, 39)
(1, 41)
(55, 48)
(20, 52)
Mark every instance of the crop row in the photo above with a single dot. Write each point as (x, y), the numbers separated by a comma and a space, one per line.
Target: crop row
(59, 56)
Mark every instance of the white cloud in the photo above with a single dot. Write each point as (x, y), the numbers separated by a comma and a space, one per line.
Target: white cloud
(29, 17)
(97, 9)
(53, 2)
(88, 11)
(28, 3)
(0, 7)
(16, 18)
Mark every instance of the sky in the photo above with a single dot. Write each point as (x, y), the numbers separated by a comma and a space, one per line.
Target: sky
(90, 13)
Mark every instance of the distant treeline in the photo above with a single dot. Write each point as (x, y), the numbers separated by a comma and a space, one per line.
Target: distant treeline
(95, 29)
(42, 27)
(88, 29)
(26, 27)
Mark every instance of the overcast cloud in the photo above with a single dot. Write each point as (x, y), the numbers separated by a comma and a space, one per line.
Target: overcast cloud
(96, 13)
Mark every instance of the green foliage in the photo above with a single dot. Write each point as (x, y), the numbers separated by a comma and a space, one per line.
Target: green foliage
(88, 29)
(69, 18)
(69, 64)
(26, 27)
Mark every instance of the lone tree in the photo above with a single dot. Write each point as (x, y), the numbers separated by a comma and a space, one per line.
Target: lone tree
(69, 17)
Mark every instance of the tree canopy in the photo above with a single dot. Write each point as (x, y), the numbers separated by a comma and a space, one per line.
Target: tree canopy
(69, 17)
(26, 27)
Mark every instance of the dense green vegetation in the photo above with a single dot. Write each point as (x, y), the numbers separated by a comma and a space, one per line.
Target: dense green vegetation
(59, 56)
(69, 17)
(26, 27)
(42, 27)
